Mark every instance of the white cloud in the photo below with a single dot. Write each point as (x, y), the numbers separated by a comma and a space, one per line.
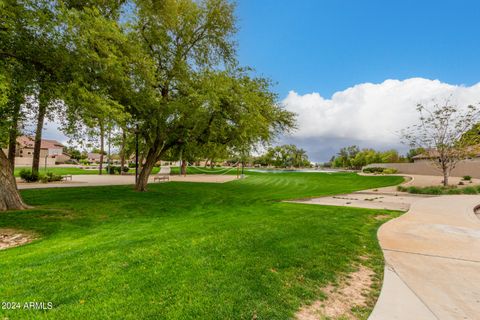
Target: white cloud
(370, 114)
(367, 114)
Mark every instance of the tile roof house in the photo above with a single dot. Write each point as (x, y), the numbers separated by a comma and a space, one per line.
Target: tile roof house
(50, 149)
(25, 145)
(430, 154)
(94, 157)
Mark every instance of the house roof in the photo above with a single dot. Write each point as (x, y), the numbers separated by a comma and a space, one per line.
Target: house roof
(92, 155)
(29, 142)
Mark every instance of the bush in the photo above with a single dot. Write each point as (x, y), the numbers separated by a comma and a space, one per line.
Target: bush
(110, 169)
(470, 190)
(380, 170)
(28, 176)
(126, 169)
(131, 165)
(50, 177)
(116, 169)
(439, 190)
(467, 178)
(85, 162)
(390, 171)
(373, 170)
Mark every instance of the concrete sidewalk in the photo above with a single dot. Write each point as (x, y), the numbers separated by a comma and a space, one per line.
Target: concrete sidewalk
(432, 256)
(432, 253)
(89, 180)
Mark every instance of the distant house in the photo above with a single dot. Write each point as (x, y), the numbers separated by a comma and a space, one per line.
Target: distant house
(431, 154)
(94, 157)
(51, 151)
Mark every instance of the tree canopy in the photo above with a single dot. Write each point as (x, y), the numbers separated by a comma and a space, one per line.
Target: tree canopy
(163, 70)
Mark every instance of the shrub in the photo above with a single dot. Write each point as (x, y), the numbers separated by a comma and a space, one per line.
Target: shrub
(125, 169)
(389, 171)
(380, 170)
(116, 169)
(85, 162)
(453, 191)
(50, 177)
(470, 190)
(373, 170)
(131, 165)
(28, 176)
(110, 169)
(437, 190)
(467, 178)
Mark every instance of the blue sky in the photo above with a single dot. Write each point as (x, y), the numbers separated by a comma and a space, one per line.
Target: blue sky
(329, 45)
(354, 70)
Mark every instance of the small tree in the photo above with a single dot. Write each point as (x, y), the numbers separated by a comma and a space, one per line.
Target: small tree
(440, 131)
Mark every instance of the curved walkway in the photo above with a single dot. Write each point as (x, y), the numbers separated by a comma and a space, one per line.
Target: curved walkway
(432, 253)
(432, 256)
(89, 180)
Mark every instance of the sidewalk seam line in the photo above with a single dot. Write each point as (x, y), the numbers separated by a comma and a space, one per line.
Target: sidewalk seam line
(413, 291)
(431, 255)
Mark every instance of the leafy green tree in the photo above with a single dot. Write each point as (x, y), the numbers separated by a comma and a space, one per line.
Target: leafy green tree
(42, 38)
(188, 39)
(284, 156)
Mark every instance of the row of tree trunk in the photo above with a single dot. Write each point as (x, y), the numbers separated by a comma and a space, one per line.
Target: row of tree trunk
(10, 198)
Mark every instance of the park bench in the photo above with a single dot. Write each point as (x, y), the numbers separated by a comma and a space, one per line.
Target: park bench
(67, 177)
(162, 175)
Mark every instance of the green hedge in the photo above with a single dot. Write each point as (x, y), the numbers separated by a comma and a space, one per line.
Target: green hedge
(380, 170)
(437, 190)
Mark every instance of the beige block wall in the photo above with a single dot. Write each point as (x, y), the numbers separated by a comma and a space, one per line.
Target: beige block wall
(425, 167)
(27, 162)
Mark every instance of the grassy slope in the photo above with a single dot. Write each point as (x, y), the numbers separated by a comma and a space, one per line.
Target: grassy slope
(186, 250)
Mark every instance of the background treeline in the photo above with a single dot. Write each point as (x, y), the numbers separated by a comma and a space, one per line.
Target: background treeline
(285, 156)
(353, 157)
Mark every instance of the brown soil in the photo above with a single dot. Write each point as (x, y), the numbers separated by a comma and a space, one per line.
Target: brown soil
(13, 238)
(351, 292)
(382, 216)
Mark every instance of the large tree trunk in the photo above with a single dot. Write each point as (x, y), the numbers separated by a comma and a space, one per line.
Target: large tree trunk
(102, 145)
(184, 168)
(122, 152)
(13, 133)
(147, 167)
(10, 198)
(42, 111)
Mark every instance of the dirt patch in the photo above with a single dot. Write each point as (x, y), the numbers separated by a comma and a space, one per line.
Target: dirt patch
(351, 292)
(13, 238)
(382, 216)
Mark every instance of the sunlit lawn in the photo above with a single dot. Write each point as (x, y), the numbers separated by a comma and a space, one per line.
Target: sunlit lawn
(186, 250)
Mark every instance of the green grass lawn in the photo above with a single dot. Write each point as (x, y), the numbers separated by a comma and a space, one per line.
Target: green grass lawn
(57, 170)
(188, 250)
(76, 171)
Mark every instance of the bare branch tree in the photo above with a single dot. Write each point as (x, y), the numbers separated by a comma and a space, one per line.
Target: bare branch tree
(440, 132)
